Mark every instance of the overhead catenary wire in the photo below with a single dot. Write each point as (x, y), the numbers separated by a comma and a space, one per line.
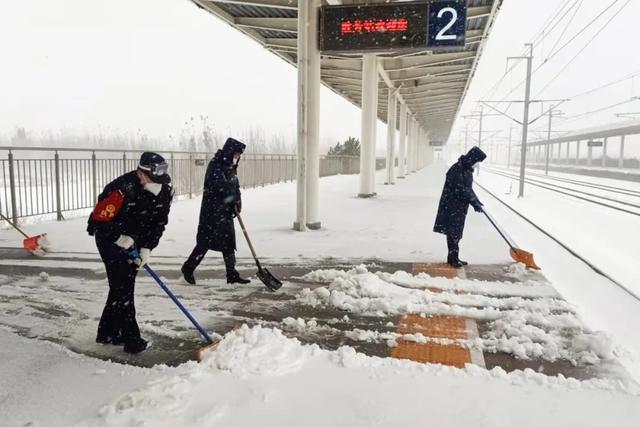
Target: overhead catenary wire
(584, 47)
(537, 39)
(566, 27)
(584, 28)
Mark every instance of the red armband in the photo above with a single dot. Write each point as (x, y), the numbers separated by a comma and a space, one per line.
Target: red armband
(108, 207)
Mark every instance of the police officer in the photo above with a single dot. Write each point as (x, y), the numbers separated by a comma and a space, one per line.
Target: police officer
(457, 195)
(221, 200)
(132, 212)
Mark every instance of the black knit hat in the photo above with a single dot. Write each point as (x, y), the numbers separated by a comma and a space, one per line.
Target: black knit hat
(233, 146)
(155, 167)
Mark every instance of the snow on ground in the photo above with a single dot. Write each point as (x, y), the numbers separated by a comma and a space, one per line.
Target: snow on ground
(394, 226)
(608, 239)
(257, 376)
(43, 384)
(520, 326)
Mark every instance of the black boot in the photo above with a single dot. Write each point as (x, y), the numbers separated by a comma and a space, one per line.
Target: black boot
(463, 262)
(117, 340)
(136, 345)
(235, 278)
(456, 263)
(188, 275)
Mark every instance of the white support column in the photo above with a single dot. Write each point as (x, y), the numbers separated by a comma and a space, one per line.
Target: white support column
(568, 152)
(589, 155)
(603, 161)
(392, 105)
(412, 146)
(369, 118)
(409, 142)
(577, 153)
(402, 152)
(621, 158)
(313, 147)
(308, 166)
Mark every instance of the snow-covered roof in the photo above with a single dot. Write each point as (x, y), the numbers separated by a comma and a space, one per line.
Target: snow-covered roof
(432, 84)
(629, 127)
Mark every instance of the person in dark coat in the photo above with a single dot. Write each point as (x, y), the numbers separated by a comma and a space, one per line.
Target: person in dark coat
(457, 195)
(132, 212)
(221, 200)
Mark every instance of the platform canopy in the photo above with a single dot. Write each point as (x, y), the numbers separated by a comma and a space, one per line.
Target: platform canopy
(628, 127)
(432, 83)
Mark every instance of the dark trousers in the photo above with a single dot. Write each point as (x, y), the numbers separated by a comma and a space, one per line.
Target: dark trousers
(454, 249)
(200, 251)
(119, 315)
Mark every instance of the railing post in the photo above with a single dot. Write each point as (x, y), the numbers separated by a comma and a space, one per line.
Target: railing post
(58, 198)
(124, 162)
(191, 175)
(94, 176)
(12, 187)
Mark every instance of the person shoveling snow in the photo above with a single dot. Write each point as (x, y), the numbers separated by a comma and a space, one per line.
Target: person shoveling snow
(131, 213)
(457, 195)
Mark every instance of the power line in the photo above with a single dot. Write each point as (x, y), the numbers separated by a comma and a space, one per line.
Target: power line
(566, 27)
(590, 91)
(584, 47)
(541, 33)
(566, 44)
(583, 29)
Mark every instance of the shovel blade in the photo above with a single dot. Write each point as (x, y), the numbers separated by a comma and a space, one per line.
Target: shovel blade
(269, 280)
(201, 351)
(524, 257)
(33, 245)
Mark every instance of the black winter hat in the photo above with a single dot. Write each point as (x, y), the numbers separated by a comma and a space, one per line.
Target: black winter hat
(155, 167)
(233, 146)
(473, 156)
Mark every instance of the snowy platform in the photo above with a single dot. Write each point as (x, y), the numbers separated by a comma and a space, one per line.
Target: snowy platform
(363, 300)
(495, 315)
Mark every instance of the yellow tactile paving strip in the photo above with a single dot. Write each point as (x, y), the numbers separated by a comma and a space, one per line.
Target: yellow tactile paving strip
(435, 269)
(434, 327)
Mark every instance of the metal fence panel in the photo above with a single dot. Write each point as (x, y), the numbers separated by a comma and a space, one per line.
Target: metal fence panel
(55, 181)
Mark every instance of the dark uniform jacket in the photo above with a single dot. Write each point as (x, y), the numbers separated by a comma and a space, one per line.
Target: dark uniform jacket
(457, 195)
(125, 207)
(220, 197)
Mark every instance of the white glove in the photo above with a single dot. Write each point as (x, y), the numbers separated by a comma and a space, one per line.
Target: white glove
(125, 242)
(145, 255)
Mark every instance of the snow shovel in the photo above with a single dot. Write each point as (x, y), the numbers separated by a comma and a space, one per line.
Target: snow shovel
(265, 276)
(518, 255)
(209, 342)
(35, 245)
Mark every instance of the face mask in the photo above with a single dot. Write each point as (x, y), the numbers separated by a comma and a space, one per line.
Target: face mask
(475, 166)
(153, 188)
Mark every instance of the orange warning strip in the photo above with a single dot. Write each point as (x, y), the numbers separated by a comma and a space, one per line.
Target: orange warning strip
(435, 269)
(435, 327)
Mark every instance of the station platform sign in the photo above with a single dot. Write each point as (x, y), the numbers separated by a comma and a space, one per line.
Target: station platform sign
(392, 26)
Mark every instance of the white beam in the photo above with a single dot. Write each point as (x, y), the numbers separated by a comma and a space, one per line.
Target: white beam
(278, 4)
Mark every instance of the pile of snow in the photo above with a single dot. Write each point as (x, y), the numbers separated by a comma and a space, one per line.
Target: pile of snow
(542, 327)
(258, 376)
(259, 351)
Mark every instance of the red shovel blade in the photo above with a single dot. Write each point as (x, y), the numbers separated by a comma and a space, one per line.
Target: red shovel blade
(32, 245)
(524, 257)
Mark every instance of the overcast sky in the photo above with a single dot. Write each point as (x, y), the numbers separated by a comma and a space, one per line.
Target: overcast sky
(152, 64)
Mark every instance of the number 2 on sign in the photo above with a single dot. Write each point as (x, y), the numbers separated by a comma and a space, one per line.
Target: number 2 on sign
(454, 17)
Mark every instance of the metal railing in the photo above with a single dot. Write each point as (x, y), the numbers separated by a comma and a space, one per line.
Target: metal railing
(38, 181)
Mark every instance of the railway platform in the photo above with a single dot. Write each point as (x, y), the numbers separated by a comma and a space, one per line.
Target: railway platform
(371, 279)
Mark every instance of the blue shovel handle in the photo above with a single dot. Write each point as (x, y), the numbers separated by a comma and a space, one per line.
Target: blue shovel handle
(135, 254)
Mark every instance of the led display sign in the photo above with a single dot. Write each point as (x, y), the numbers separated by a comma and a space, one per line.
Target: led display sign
(392, 26)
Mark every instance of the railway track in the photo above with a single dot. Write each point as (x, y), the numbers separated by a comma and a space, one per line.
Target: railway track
(562, 244)
(598, 199)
